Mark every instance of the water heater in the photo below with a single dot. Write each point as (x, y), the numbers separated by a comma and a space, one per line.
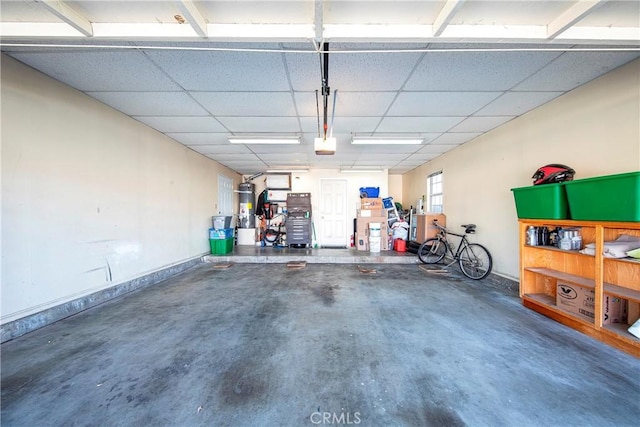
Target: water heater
(247, 212)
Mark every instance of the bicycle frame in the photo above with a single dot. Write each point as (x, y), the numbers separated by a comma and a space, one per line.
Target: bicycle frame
(442, 237)
(474, 259)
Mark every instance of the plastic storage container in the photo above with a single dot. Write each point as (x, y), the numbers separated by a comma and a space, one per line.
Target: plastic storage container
(220, 221)
(223, 233)
(221, 246)
(374, 244)
(369, 192)
(548, 201)
(374, 229)
(605, 198)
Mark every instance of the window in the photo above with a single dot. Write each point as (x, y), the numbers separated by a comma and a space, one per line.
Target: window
(434, 188)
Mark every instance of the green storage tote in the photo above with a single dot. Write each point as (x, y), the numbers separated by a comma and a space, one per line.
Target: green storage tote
(220, 233)
(547, 201)
(221, 246)
(605, 198)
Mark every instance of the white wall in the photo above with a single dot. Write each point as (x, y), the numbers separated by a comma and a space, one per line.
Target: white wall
(595, 129)
(90, 198)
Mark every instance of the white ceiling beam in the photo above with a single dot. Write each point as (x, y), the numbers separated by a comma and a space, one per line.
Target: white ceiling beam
(193, 17)
(68, 15)
(445, 16)
(572, 15)
(318, 21)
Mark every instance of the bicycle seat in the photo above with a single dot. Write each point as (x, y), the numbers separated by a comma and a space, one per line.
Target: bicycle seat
(469, 228)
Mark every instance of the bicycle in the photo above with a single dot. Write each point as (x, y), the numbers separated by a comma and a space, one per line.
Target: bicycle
(474, 259)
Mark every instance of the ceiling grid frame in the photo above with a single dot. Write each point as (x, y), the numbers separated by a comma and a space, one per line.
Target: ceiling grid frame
(607, 39)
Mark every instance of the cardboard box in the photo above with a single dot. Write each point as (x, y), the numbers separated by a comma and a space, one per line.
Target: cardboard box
(425, 228)
(581, 302)
(576, 300)
(362, 233)
(614, 310)
(368, 203)
(368, 213)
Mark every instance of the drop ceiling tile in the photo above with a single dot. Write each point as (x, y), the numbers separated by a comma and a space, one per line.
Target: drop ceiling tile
(359, 104)
(276, 125)
(222, 70)
(247, 103)
(445, 104)
(379, 157)
(261, 149)
(412, 164)
(151, 103)
(476, 71)
(573, 69)
(399, 170)
(240, 165)
(182, 124)
(480, 124)
(517, 103)
(433, 125)
(214, 149)
(200, 138)
(455, 138)
(96, 70)
(325, 162)
(370, 71)
(280, 157)
(431, 149)
(343, 124)
(382, 149)
(304, 71)
(374, 164)
(341, 154)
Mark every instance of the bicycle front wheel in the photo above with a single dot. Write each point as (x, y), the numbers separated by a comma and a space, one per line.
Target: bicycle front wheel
(475, 261)
(432, 251)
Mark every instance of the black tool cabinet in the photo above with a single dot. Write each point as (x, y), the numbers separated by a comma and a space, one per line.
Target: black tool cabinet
(298, 223)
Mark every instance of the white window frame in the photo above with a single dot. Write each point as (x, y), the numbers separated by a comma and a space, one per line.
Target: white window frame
(435, 192)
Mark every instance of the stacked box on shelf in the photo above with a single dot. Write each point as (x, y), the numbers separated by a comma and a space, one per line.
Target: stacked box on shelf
(371, 210)
(362, 233)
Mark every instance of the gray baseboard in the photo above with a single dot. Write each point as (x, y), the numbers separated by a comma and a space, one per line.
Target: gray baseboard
(16, 328)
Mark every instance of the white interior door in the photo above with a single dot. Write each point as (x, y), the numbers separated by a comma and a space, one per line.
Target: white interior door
(333, 213)
(225, 195)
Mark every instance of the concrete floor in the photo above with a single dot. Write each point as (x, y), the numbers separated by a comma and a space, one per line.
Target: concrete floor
(263, 345)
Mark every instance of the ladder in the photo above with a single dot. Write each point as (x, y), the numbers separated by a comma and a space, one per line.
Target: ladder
(390, 207)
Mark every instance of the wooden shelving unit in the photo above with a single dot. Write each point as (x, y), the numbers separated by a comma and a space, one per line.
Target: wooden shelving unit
(542, 267)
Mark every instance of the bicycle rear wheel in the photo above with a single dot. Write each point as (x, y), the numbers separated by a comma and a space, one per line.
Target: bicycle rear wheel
(432, 251)
(475, 261)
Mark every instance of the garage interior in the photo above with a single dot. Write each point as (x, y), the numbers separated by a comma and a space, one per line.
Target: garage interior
(125, 129)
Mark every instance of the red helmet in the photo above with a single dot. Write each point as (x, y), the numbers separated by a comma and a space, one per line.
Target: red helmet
(552, 173)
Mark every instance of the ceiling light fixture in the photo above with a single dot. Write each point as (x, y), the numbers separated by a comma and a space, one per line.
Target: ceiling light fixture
(387, 141)
(361, 170)
(259, 140)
